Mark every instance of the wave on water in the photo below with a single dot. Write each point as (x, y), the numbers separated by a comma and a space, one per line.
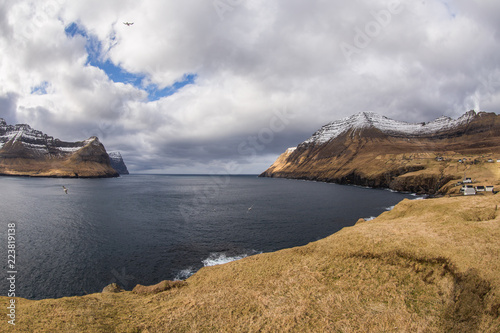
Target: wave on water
(184, 274)
(221, 258)
(214, 259)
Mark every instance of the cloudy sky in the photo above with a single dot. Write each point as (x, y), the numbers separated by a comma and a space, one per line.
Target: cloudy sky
(202, 86)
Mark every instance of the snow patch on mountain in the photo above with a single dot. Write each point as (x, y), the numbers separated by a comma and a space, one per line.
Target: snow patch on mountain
(38, 142)
(389, 126)
(25, 134)
(117, 162)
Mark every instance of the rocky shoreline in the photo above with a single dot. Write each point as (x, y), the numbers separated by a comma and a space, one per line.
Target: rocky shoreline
(427, 185)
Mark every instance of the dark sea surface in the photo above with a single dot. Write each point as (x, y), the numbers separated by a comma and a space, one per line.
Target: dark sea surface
(148, 228)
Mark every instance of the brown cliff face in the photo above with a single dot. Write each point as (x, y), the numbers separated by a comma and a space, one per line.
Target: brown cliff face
(27, 152)
(371, 155)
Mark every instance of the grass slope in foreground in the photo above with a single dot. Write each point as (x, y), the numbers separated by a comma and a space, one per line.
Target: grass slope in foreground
(426, 266)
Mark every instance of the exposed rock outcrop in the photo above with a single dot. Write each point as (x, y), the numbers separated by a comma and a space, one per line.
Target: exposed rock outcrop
(158, 288)
(112, 288)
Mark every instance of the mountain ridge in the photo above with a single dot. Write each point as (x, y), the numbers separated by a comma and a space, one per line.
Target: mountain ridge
(387, 125)
(368, 149)
(25, 151)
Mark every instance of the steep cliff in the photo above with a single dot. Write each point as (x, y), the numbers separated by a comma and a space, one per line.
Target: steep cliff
(117, 162)
(28, 152)
(371, 150)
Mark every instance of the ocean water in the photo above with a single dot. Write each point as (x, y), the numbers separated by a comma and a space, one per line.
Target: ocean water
(148, 228)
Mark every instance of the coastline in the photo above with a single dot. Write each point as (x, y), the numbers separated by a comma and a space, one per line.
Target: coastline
(58, 176)
(334, 181)
(374, 268)
(270, 226)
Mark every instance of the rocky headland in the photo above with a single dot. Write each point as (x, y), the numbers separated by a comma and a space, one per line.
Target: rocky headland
(28, 152)
(117, 162)
(368, 149)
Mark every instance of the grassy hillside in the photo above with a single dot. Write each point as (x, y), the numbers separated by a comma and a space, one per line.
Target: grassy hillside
(369, 154)
(426, 266)
(420, 172)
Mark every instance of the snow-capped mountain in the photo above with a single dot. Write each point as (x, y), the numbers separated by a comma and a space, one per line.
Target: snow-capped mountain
(37, 142)
(29, 152)
(388, 126)
(372, 150)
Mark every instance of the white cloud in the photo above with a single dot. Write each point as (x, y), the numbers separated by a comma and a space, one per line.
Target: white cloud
(252, 59)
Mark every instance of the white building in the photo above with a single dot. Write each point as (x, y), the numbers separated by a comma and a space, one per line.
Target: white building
(480, 188)
(469, 190)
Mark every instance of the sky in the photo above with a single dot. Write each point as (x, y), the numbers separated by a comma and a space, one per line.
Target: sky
(225, 86)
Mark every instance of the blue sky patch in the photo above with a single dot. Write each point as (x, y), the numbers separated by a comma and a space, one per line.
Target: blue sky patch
(118, 74)
(73, 29)
(41, 89)
(155, 94)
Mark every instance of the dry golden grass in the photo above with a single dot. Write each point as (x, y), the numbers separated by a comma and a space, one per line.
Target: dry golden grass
(382, 164)
(426, 266)
(55, 168)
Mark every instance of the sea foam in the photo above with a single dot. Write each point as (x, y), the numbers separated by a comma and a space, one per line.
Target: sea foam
(221, 258)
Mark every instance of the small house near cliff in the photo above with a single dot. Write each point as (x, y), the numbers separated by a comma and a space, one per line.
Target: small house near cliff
(467, 180)
(469, 190)
(489, 188)
(480, 188)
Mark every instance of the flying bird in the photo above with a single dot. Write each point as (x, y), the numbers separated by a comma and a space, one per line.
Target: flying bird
(249, 209)
(128, 23)
(65, 190)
